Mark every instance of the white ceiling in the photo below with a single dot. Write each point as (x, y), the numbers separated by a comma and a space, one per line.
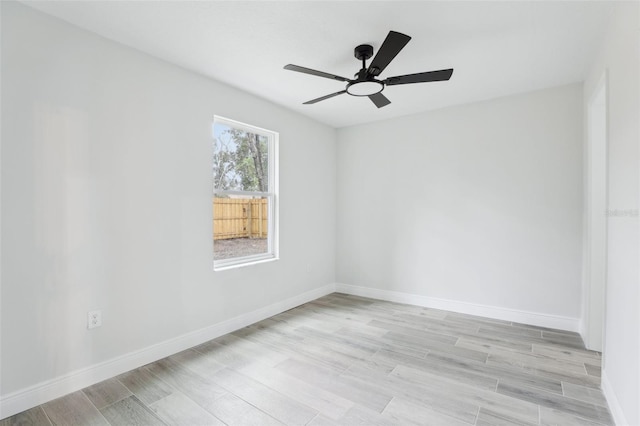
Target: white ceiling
(495, 48)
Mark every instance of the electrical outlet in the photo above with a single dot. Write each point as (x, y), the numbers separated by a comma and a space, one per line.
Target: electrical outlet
(94, 319)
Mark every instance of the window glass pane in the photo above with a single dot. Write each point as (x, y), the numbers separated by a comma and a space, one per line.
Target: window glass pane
(240, 226)
(240, 160)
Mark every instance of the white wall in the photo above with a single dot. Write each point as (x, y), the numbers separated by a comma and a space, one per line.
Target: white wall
(106, 201)
(480, 204)
(620, 56)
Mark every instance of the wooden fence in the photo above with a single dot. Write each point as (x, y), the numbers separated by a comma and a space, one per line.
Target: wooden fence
(240, 218)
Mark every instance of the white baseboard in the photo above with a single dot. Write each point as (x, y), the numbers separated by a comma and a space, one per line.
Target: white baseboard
(506, 314)
(614, 405)
(40, 393)
(582, 330)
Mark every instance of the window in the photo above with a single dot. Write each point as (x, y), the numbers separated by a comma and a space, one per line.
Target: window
(244, 194)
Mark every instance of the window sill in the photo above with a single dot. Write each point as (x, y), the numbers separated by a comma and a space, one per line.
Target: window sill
(238, 263)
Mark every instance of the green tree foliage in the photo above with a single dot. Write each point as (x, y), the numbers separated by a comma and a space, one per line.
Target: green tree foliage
(240, 161)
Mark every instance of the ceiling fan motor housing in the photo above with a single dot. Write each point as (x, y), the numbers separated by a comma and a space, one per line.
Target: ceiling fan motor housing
(363, 52)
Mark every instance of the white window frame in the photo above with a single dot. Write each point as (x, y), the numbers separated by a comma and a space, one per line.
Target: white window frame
(271, 195)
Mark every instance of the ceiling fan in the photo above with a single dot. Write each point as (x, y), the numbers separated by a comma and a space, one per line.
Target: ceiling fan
(365, 82)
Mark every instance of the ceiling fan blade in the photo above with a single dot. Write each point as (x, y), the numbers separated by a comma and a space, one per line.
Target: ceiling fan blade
(304, 70)
(391, 46)
(313, 101)
(421, 77)
(379, 99)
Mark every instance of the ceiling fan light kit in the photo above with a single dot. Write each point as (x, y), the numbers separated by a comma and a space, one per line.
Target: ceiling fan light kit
(365, 82)
(364, 88)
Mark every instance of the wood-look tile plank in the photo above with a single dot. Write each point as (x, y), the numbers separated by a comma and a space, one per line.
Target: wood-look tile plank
(435, 318)
(559, 374)
(32, 417)
(106, 393)
(73, 409)
(325, 354)
(255, 351)
(278, 330)
(417, 392)
(224, 355)
(379, 365)
(353, 348)
(517, 325)
(513, 335)
(407, 330)
(371, 333)
(145, 385)
(334, 349)
(364, 337)
(563, 336)
(489, 344)
(404, 412)
(557, 402)
(508, 329)
(327, 403)
(390, 308)
(362, 416)
(537, 361)
(572, 355)
(340, 303)
(593, 370)
(347, 300)
(277, 405)
(432, 346)
(197, 362)
(130, 412)
(461, 393)
(547, 338)
(545, 370)
(178, 410)
(291, 351)
(197, 387)
(386, 313)
(560, 340)
(440, 327)
(234, 411)
(487, 417)
(585, 394)
(458, 318)
(439, 368)
(295, 347)
(365, 314)
(315, 319)
(326, 307)
(464, 366)
(552, 417)
(346, 317)
(328, 380)
(321, 420)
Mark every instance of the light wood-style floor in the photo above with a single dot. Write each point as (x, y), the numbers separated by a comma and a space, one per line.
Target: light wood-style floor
(353, 361)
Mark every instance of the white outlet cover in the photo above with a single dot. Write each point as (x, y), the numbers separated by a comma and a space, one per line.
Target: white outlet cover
(94, 319)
